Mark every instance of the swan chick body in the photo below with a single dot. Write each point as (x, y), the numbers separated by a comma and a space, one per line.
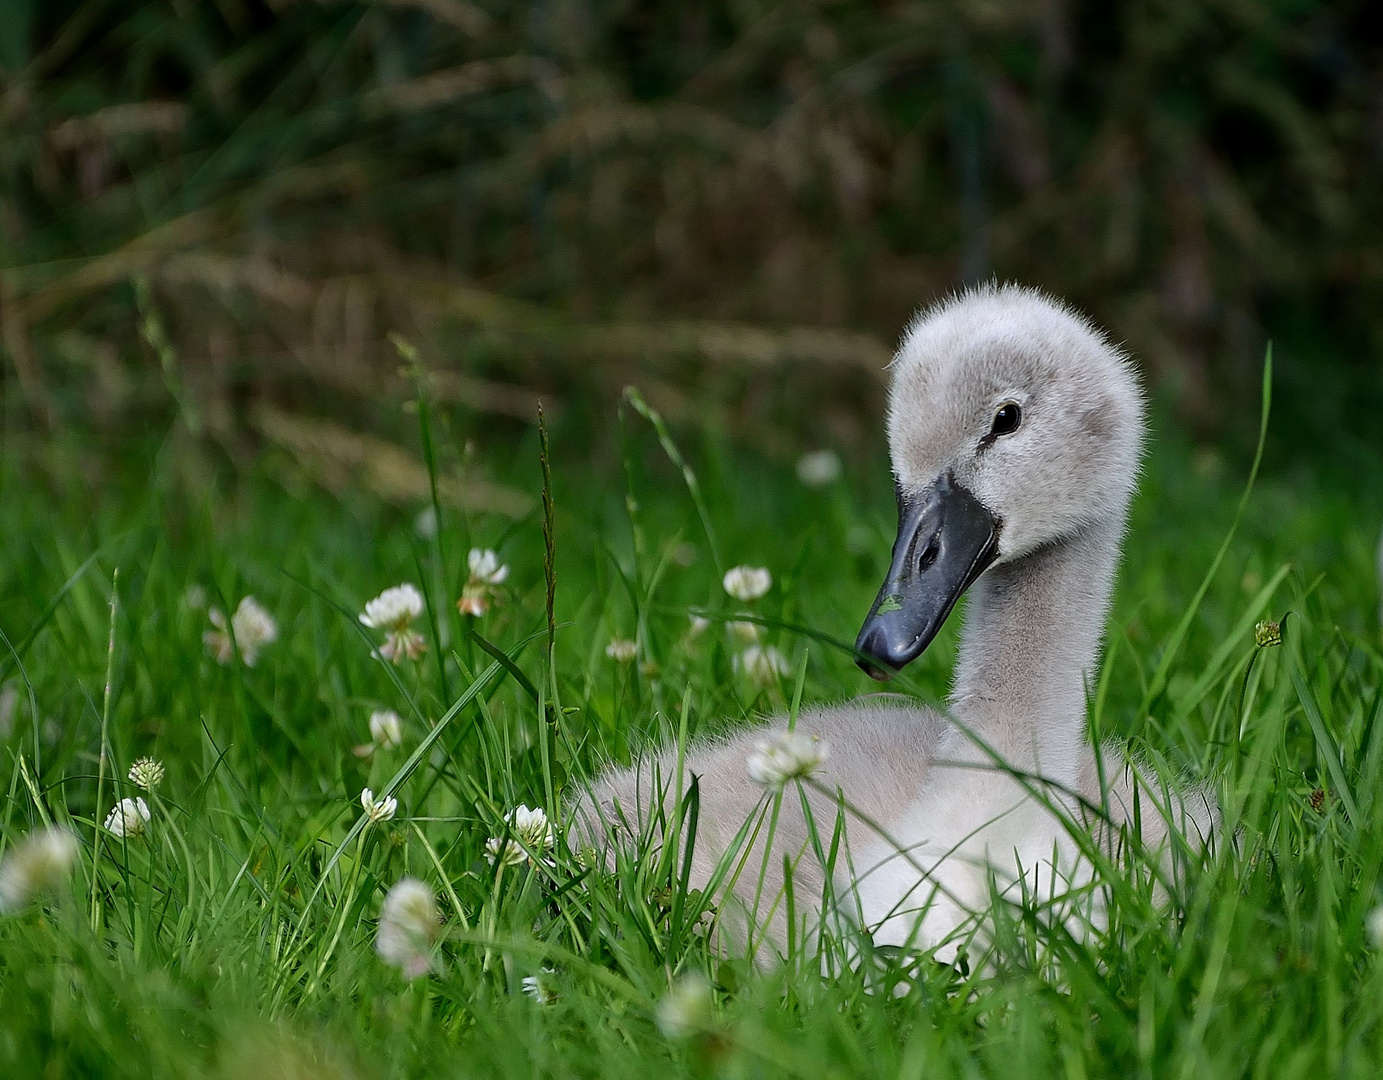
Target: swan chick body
(1016, 432)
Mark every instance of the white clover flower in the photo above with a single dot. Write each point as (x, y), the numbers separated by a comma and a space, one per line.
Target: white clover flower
(762, 663)
(378, 809)
(37, 864)
(394, 608)
(487, 574)
(540, 987)
(747, 582)
(393, 611)
(409, 925)
(1373, 926)
(218, 643)
(386, 728)
(532, 827)
(687, 1008)
(252, 627)
(699, 625)
(504, 852)
(146, 773)
(684, 554)
(742, 630)
(588, 858)
(485, 567)
(127, 818)
(818, 468)
(622, 650)
(529, 831)
(400, 645)
(9, 703)
(784, 756)
(425, 524)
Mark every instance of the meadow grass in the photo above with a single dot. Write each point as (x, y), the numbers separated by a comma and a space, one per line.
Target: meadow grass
(235, 938)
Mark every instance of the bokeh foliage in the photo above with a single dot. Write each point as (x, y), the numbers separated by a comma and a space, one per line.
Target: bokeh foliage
(555, 193)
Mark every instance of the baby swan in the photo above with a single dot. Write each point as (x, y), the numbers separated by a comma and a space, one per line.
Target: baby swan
(1016, 431)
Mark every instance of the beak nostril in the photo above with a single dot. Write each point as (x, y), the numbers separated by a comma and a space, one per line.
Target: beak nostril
(929, 554)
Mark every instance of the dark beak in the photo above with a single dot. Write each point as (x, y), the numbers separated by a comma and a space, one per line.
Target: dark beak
(946, 539)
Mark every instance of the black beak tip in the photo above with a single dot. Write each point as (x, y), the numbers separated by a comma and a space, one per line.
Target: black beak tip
(873, 655)
(878, 674)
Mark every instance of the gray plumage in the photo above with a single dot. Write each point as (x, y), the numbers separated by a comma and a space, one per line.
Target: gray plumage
(954, 824)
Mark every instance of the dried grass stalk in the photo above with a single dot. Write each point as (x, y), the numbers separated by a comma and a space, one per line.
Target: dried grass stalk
(339, 460)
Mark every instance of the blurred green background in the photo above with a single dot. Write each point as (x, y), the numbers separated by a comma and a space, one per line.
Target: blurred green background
(226, 224)
(225, 206)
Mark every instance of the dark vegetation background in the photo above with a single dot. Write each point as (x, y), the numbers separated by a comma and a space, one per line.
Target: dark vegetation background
(228, 204)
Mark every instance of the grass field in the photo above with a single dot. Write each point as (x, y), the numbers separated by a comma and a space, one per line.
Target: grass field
(235, 937)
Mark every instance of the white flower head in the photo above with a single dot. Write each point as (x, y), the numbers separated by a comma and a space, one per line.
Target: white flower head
(9, 702)
(762, 663)
(394, 608)
(386, 728)
(529, 832)
(622, 650)
(401, 645)
(425, 524)
(818, 468)
(409, 925)
(487, 574)
(127, 818)
(504, 852)
(742, 630)
(252, 627)
(393, 611)
(687, 1008)
(784, 756)
(1373, 926)
(747, 582)
(485, 567)
(39, 863)
(699, 625)
(378, 809)
(146, 773)
(541, 987)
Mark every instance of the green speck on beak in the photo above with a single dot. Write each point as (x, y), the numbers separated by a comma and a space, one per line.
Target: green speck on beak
(891, 602)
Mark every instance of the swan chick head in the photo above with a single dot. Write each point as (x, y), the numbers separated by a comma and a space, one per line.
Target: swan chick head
(1026, 405)
(1013, 423)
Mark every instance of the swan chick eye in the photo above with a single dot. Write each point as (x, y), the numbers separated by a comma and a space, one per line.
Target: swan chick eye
(1007, 419)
